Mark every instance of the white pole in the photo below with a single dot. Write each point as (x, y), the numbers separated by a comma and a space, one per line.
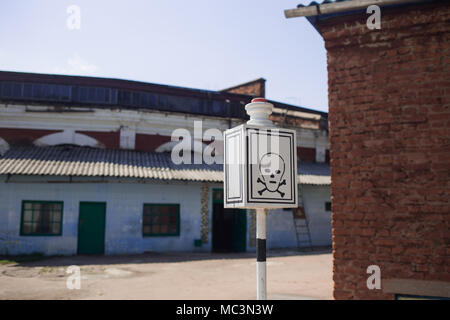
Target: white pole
(259, 111)
(261, 281)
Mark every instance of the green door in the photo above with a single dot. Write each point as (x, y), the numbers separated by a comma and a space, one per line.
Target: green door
(91, 228)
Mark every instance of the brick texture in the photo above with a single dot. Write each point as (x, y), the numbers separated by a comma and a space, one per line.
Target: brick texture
(150, 142)
(389, 119)
(282, 121)
(110, 140)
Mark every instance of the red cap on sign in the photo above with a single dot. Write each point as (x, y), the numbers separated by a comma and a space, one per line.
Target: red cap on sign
(259, 100)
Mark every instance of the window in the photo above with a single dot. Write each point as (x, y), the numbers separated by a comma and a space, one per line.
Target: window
(17, 90)
(91, 94)
(136, 98)
(41, 218)
(124, 97)
(38, 91)
(102, 95)
(161, 220)
(63, 92)
(144, 100)
(218, 107)
(327, 206)
(7, 89)
(28, 90)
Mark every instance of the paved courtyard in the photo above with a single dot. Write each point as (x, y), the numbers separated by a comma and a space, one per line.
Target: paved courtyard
(291, 275)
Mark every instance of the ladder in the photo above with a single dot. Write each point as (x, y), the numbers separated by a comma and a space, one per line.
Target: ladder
(301, 225)
(302, 231)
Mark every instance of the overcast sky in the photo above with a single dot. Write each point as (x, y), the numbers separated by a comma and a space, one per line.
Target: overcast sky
(205, 44)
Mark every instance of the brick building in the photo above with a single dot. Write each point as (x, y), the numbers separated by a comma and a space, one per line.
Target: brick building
(389, 118)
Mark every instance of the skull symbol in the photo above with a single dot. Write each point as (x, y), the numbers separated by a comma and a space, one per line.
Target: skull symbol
(271, 167)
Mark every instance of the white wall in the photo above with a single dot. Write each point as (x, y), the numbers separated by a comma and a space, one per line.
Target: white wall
(280, 229)
(124, 205)
(314, 198)
(280, 224)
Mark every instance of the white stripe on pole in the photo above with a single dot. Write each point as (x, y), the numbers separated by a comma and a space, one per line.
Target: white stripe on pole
(261, 281)
(261, 223)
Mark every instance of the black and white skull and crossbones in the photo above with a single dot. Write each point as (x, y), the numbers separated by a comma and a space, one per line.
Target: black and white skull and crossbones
(271, 167)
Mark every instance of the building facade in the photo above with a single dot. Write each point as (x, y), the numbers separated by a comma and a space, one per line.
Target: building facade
(86, 168)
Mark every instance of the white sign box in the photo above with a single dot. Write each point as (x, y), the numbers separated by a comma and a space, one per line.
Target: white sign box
(260, 167)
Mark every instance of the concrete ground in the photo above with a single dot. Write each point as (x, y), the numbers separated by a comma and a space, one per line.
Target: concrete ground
(291, 275)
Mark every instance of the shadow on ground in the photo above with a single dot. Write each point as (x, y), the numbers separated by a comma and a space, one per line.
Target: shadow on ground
(148, 257)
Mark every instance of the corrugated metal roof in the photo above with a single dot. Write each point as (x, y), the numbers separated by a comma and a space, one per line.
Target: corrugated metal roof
(313, 179)
(95, 162)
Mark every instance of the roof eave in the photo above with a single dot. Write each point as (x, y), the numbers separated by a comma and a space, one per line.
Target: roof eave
(339, 7)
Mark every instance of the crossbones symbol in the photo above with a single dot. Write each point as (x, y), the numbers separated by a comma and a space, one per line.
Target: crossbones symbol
(271, 167)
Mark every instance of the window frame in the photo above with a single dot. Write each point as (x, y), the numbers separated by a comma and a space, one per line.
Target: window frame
(176, 234)
(22, 233)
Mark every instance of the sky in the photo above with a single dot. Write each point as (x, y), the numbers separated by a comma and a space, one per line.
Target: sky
(204, 44)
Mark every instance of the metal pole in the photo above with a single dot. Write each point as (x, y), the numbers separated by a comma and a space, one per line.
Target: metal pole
(261, 254)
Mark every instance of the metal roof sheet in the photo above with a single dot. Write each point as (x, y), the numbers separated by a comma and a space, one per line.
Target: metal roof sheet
(95, 162)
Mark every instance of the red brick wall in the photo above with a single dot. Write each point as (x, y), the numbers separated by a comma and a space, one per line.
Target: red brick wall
(110, 140)
(150, 142)
(255, 88)
(282, 120)
(389, 100)
(23, 136)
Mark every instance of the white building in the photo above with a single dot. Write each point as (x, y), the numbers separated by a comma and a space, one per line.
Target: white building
(86, 168)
